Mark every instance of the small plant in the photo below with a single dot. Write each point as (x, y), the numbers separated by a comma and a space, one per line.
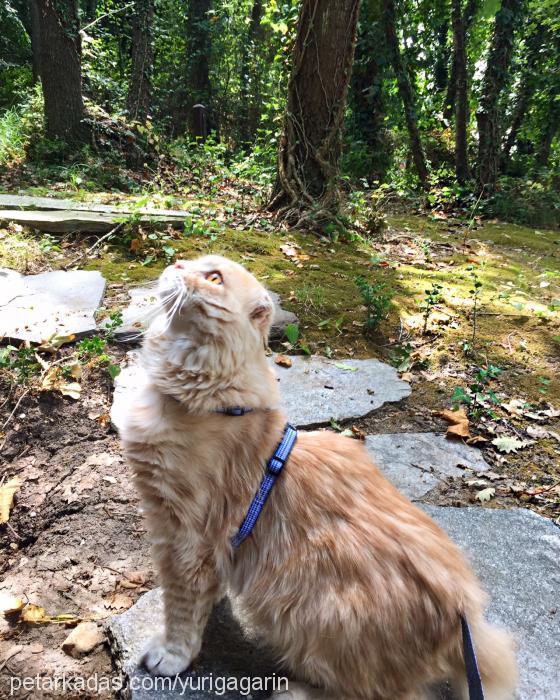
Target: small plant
(475, 294)
(21, 363)
(431, 301)
(294, 343)
(377, 299)
(479, 396)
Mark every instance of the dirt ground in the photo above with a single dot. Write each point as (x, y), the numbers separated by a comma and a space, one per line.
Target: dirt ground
(75, 544)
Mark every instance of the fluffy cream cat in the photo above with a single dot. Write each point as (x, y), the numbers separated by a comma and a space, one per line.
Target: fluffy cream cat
(356, 589)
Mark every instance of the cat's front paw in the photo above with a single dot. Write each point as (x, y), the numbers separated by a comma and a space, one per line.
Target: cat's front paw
(163, 660)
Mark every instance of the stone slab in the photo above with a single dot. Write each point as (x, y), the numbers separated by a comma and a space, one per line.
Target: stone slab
(227, 652)
(417, 462)
(316, 389)
(75, 221)
(515, 553)
(313, 389)
(35, 307)
(138, 314)
(12, 201)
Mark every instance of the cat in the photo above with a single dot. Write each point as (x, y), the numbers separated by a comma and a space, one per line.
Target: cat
(357, 590)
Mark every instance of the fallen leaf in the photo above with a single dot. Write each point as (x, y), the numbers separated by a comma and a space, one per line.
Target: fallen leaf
(509, 444)
(486, 494)
(134, 579)
(53, 343)
(537, 431)
(346, 368)
(7, 493)
(358, 433)
(119, 601)
(459, 423)
(83, 639)
(54, 380)
(476, 440)
(283, 361)
(34, 614)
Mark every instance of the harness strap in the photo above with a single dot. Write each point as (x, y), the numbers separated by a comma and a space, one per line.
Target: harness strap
(476, 692)
(274, 468)
(233, 411)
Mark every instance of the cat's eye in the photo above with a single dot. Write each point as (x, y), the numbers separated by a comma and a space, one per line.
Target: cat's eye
(214, 277)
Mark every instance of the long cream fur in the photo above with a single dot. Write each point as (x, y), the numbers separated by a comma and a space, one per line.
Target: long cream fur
(356, 589)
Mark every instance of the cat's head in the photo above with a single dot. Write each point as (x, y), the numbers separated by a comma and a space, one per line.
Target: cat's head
(217, 298)
(209, 338)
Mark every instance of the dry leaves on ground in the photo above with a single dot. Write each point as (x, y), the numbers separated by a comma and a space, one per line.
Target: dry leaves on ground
(459, 423)
(7, 493)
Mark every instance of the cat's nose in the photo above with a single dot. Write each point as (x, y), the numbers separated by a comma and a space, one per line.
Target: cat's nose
(179, 265)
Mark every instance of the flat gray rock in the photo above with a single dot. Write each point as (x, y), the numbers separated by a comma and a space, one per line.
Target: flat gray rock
(416, 462)
(313, 389)
(515, 553)
(36, 307)
(227, 653)
(143, 307)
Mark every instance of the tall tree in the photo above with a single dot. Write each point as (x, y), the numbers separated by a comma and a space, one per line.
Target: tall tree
(61, 73)
(250, 79)
(551, 127)
(309, 148)
(495, 79)
(139, 90)
(367, 94)
(527, 87)
(198, 56)
(406, 93)
(461, 92)
(469, 13)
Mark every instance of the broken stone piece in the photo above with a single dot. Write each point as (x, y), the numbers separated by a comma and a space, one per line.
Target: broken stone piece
(83, 639)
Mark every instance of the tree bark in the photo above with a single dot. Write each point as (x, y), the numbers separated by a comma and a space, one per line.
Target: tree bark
(367, 85)
(61, 73)
(526, 90)
(34, 35)
(495, 79)
(139, 90)
(469, 14)
(250, 78)
(198, 58)
(406, 93)
(551, 127)
(306, 190)
(461, 92)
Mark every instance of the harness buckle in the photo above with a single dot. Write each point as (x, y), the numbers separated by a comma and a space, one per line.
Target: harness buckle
(275, 465)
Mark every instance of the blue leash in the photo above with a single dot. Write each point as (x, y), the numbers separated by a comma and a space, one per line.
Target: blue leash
(274, 468)
(476, 692)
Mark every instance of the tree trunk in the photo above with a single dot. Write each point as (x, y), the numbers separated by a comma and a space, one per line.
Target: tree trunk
(367, 85)
(61, 73)
(139, 90)
(198, 58)
(468, 18)
(406, 93)
(34, 29)
(526, 90)
(461, 93)
(495, 79)
(551, 127)
(306, 189)
(250, 78)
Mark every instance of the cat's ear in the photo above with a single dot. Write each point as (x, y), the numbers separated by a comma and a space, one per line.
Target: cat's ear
(262, 312)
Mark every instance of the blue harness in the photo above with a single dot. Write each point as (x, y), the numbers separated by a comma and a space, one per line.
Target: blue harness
(273, 470)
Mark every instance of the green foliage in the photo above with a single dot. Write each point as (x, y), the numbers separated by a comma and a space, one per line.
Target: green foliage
(525, 201)
(377, 298)
(432, 299)
(479, 396)
(21, 363)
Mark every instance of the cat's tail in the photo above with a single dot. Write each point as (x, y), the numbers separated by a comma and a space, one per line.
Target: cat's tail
(495, 654)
